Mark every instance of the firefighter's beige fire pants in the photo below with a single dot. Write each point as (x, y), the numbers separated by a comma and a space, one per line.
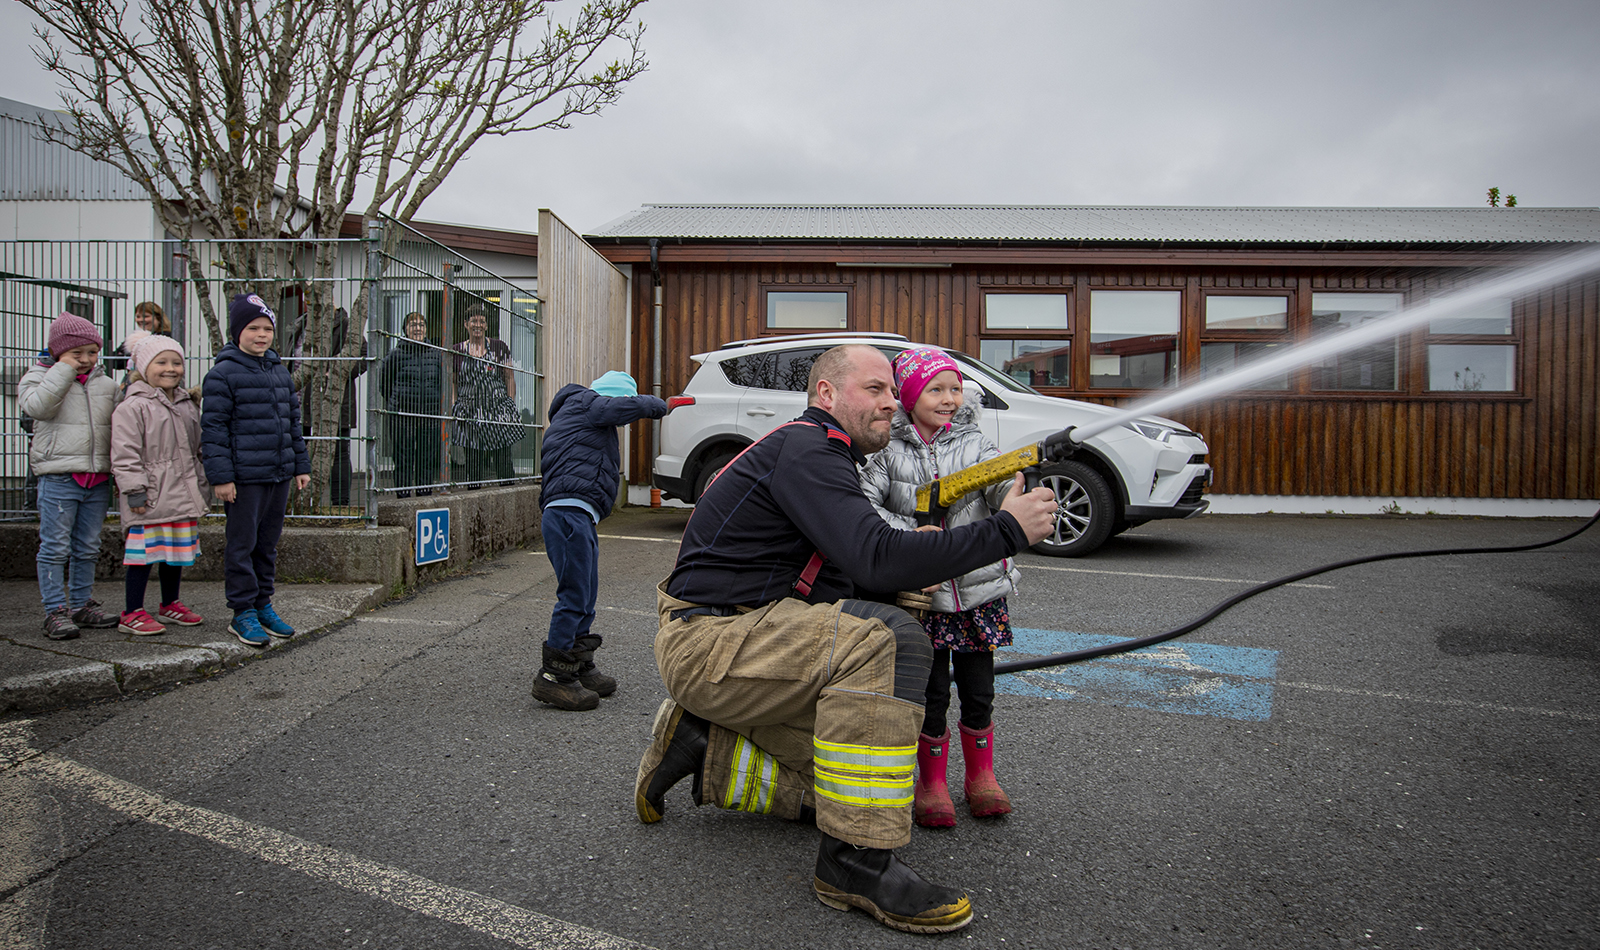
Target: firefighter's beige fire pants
(801, 699)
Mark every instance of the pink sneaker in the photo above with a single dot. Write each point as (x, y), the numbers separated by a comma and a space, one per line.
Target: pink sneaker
(177, 613)
(140, 624)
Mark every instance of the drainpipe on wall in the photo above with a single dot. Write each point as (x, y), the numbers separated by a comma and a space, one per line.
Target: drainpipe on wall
(655, 367)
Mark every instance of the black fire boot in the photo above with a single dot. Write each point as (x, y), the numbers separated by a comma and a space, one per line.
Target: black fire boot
(583, 649)
(679, 750)
(557, 683)
(878, 882)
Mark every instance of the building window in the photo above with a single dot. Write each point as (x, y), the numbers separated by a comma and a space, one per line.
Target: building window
(1037, 350)
(1467, 352)
(1025, 312)
(808, 309)
(1242, 329)
(1133, 338)
(1373, 368)
(1030, 362)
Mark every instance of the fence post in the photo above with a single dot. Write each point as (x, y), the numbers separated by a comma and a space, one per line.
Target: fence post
(374, 280)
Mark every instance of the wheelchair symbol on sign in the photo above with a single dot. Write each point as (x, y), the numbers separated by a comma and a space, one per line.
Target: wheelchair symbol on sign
(433, 535)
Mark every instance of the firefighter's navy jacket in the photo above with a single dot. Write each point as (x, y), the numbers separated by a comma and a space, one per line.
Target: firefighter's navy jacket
(796, 492)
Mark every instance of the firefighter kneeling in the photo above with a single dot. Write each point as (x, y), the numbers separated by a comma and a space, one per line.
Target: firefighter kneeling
(788, 697)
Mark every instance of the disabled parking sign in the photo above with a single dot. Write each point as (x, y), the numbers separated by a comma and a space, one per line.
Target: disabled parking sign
(433, 535)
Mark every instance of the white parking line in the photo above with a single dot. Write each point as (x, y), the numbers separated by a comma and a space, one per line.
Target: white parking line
(1460, 703)
(1035, 566)
(629, 537)
(494, 918)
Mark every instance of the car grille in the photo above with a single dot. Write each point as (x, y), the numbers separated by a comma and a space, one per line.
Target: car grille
(1191, 497)
(1197, 459)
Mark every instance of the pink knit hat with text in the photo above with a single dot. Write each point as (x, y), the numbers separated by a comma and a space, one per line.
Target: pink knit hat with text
(70, 331)
(144, 347)
(915, 367)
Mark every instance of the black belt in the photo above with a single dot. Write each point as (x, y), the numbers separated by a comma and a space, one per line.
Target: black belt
(702, 612)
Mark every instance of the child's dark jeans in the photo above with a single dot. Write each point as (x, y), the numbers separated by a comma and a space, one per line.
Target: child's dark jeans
(250, 558)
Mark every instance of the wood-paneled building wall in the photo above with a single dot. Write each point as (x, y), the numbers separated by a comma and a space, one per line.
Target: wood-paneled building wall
(1538, 440)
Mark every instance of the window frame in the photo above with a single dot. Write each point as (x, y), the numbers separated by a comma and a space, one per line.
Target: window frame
(763, 314)
(1405, 385)
(1288, 335)
(1426, 339)
(1179, 365)
(1067, 335)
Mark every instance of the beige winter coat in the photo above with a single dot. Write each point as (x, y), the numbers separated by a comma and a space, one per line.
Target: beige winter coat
(71, 422)
(155, 449)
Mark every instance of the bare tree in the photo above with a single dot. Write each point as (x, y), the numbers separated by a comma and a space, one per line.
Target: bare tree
(274, 119)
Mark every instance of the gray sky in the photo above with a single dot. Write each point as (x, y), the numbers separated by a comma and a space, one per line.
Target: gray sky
(1235, 102)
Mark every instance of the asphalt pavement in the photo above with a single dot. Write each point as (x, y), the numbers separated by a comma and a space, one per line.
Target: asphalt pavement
(1400, 754)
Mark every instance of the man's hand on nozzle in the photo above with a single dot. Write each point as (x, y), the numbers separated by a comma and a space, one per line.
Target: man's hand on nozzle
(1034, 510)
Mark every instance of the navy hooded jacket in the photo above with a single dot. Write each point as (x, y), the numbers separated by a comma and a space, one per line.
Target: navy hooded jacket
(250, 421)
(580, 457)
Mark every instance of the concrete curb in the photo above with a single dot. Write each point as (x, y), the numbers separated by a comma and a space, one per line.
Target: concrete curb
(106, 665)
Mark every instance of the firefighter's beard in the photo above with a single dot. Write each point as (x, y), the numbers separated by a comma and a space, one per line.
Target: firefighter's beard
(867, 427)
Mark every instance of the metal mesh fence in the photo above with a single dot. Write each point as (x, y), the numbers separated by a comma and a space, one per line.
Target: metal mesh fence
(476, 434)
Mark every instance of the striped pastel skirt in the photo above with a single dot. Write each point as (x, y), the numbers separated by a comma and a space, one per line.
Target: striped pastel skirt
(174, 542)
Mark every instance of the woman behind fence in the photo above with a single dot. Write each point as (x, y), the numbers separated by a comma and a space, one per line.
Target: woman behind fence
(148, 317)
(487, 421)
(412, 385)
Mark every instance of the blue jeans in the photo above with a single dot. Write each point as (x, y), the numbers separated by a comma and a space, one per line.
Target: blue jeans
(70, 517)
(573, 544)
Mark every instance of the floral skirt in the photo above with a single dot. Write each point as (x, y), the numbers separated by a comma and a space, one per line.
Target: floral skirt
(978, 630)
(174, 542)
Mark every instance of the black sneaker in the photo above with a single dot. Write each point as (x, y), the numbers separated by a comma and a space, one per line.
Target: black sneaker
(58, 625)
(878, 882)
(92, 616)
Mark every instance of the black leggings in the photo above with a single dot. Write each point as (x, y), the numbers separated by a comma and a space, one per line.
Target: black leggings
(139, 578)
(974, 681)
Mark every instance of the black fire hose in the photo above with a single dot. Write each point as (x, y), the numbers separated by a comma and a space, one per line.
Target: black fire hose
(1078, 656)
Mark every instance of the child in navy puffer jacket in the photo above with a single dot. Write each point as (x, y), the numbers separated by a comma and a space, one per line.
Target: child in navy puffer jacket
(581, 466)
(253, 449)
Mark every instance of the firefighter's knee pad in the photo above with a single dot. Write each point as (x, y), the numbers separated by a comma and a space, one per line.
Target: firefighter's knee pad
(913, 651)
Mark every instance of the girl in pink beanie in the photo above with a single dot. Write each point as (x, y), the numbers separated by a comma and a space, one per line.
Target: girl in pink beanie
(70, 399)
(155, 455)
(934, 434)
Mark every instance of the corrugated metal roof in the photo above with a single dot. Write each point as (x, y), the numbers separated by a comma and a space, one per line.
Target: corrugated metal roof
(32, 169)
(1109, 223)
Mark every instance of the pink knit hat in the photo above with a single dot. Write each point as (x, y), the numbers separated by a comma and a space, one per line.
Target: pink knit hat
(915, 367)
(70, 331)
(144, 347)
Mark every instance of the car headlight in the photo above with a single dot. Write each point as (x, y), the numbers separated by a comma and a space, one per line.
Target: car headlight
(1154, 431)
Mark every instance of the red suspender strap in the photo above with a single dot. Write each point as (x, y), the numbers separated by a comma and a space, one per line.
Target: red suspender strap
(802, 584)
(808, 576)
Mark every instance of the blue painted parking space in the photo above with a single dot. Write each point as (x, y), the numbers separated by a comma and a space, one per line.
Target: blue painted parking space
(1194, 679)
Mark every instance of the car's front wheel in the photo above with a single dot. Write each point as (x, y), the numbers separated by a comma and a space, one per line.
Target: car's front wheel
(1085, 510)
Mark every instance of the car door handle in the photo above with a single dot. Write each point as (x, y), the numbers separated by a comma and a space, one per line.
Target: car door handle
(759, 411)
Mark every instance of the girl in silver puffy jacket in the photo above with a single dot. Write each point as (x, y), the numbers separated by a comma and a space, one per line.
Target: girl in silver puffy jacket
(933, 435)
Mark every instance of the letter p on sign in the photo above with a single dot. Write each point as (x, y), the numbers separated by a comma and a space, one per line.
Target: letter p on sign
(433, 535)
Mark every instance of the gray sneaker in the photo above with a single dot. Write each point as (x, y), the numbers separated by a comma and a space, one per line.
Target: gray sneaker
(90, 615)
(58, 625)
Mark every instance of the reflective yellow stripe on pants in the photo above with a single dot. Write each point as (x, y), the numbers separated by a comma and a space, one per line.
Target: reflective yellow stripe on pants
(864, 776)
(751, 779)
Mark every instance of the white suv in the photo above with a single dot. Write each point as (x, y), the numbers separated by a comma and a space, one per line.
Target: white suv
(1127, 475)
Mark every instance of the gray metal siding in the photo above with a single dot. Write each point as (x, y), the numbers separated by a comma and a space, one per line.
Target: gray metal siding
(1110, 223)
(32, 169)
